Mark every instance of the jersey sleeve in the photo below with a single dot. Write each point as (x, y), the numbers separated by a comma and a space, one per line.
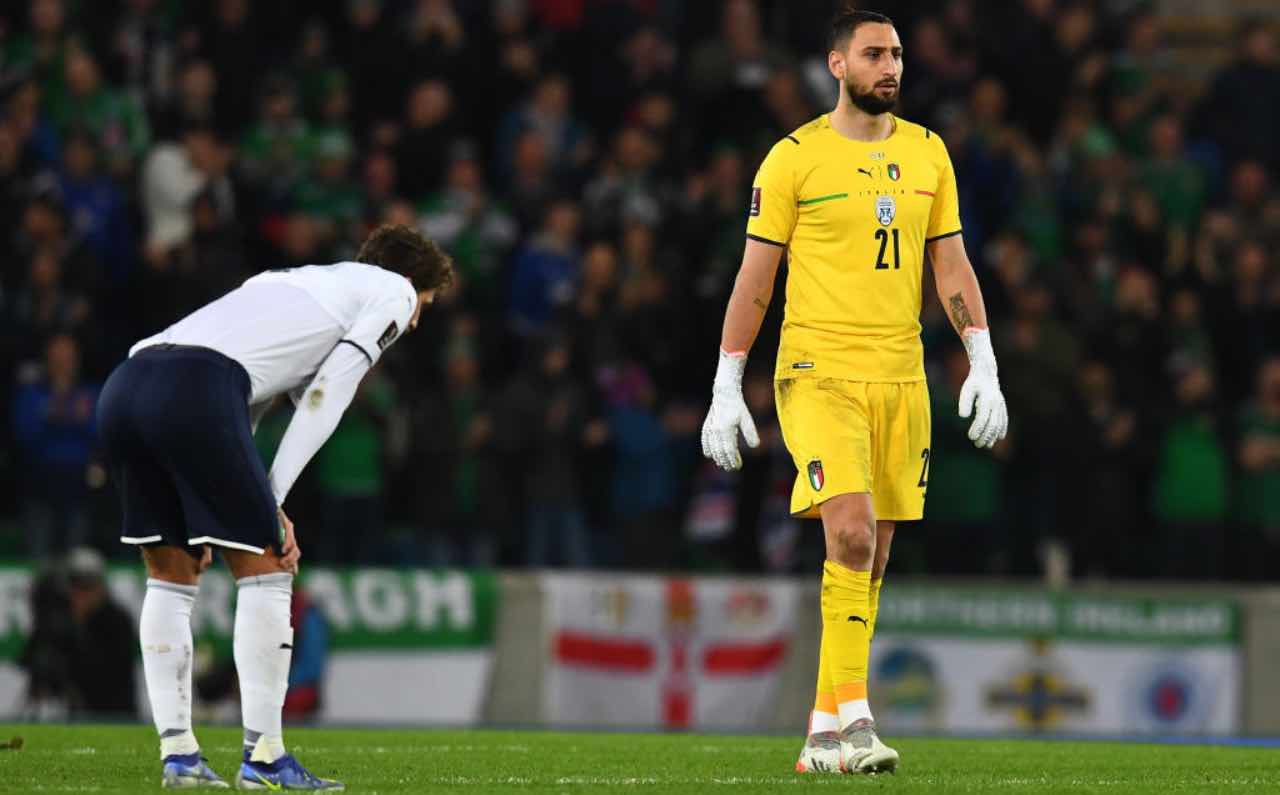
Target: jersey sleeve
(318, 411)
(381, 323)
(772, 217)
(944, 217)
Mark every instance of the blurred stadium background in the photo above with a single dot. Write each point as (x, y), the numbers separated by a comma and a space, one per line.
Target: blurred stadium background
(513, 524)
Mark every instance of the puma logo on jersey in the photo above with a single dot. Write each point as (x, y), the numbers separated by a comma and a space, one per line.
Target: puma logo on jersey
(858, 618)
(864, 171)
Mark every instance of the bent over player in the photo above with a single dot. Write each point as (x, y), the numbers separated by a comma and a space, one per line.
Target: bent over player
(856, 197)
(177, 419)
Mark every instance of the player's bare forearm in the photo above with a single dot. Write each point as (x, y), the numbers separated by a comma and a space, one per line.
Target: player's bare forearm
(752, 291)
(957, 284)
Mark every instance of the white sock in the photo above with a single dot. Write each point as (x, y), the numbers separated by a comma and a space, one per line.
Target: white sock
(164, 632)
(855, 710)
(263, 647)
(823, 722)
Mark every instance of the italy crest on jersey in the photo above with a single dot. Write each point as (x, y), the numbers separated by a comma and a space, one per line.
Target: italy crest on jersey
(886, 210)
(894, 171)
(816, 478)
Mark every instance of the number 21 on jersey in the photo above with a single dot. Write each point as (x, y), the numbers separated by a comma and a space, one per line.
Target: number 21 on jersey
(882, 236)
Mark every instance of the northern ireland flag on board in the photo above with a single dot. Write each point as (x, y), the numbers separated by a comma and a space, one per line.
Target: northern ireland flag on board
(672, 652)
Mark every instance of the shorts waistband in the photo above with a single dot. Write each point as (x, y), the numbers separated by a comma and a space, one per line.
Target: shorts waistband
(169, 350)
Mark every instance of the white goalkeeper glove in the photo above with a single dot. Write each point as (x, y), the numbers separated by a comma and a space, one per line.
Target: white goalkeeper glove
(982, 390)
(728, 414)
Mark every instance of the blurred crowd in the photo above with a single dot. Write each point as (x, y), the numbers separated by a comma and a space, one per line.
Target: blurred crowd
(588, 163)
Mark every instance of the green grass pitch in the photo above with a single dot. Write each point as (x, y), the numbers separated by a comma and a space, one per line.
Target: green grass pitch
(124, 759)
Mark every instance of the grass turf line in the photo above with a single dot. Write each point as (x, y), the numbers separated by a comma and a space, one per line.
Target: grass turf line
(124, 759)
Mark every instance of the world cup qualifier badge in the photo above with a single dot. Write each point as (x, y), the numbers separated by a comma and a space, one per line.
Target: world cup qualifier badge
(816, 478)
(894, 171)
(755, 202)
(388, 336)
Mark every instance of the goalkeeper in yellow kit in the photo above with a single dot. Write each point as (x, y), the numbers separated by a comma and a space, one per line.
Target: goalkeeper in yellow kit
(856, 197)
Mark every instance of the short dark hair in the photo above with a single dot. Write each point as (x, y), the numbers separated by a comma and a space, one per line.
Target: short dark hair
(846, 22)
(403, 250)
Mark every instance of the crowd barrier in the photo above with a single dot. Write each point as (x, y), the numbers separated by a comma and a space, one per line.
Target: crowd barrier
(426, 647)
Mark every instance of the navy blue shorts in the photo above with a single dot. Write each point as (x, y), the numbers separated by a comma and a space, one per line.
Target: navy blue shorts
(174, 422)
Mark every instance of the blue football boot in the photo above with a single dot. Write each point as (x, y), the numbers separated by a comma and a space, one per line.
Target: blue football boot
(283, 774)
(189, 771)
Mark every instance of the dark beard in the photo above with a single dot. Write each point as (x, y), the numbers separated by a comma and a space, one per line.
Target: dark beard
(870, 102)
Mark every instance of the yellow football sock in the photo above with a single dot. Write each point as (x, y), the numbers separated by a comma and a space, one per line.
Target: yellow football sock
(824, 717)
(874, 608)
(846, 597)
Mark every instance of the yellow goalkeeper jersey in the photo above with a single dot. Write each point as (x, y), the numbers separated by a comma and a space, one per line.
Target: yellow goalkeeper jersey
(854, 217)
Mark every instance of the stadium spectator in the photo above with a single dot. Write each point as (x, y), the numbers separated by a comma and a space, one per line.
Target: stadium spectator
(139, 48)
(966, 489)
(434, 38)
(464, 218)
(172, 176)
(1258, 425)
(191, 102)
(728, 71)
(939, 79)
(369, 49)
(321, 81)
(1171, 177)
(622, 80)
(350, 471)
(533, 184)
(1114, 460)
(102, 665)
(549, 112)
(50, 648)
(546, 272)
(113, 118)
(648, 441)
(96, 206)
(53, 422)
(380, 184)
(626, 183)
(329, 194)
(275, 152)
(430, 130)
(227, 36)
(1247, 313)
(45, 227)
(44, 307)
(592, 322)
(1241, 107)
(1040, 357)
(41, 49)
(543, 422)
(1192, 481)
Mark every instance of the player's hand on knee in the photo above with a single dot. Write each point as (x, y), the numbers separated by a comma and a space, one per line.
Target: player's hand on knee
(728, 415)
(290, 554)
(981, 396)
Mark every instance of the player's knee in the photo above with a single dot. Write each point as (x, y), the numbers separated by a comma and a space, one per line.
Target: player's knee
(171, 565)
(855, 542)
(251, 564)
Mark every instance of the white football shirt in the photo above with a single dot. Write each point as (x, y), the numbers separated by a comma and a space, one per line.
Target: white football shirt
(311, 332)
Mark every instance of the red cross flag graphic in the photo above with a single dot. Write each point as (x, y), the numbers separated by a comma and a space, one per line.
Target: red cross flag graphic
(677, 653)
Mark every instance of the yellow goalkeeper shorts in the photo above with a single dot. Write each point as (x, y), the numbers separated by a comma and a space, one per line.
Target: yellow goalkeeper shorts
(848, 437)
